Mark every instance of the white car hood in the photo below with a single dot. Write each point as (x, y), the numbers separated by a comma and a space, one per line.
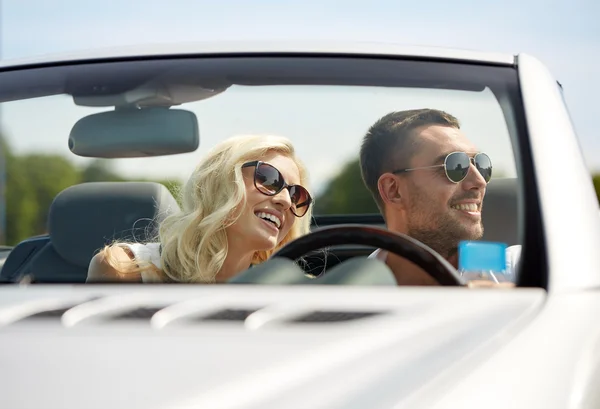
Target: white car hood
(419, 343)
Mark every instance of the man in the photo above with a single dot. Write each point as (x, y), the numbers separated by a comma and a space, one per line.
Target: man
(428, 181)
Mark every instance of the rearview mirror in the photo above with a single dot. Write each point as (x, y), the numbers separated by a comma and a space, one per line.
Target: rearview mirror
(132, 133)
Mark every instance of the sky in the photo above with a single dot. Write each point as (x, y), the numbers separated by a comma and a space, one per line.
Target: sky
(565, 35)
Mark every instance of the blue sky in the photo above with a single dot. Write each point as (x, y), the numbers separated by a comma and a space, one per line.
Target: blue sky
(564, 35)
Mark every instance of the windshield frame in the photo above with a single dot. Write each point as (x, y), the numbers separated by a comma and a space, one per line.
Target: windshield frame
(322, 69)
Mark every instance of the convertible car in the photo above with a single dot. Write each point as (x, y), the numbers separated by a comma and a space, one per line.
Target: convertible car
(95, 146)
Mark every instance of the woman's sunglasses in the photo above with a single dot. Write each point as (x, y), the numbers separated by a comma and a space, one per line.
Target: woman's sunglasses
(457, 165)
(269, 181)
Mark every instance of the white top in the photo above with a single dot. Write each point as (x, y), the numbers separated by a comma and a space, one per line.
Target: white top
(513, 254)
(147, 253)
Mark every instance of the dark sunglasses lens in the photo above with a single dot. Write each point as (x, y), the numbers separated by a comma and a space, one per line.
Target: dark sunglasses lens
(484, 165)
(300, 200)
(268, 179)
(457, 166)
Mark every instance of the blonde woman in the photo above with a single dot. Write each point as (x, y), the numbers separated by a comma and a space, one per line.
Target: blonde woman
(245, 200)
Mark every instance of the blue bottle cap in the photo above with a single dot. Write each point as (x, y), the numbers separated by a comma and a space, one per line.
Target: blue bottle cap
(481, 256)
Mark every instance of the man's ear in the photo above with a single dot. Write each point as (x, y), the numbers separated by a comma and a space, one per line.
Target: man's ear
(389, 187)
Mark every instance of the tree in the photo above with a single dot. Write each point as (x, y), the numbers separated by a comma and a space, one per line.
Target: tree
(47, 175)
(99, 171)
(174, 187)
(20, 209)
(346, 193)
(596, 181)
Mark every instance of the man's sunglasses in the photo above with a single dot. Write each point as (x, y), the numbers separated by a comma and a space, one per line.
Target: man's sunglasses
(269, 181)
(457, 165)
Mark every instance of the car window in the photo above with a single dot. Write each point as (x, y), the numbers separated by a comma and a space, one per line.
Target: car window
(325, 106)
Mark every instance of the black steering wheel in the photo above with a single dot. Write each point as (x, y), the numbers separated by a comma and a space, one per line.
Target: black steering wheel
(400, 244)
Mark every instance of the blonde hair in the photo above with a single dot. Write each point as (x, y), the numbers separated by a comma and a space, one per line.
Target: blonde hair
(194, 241)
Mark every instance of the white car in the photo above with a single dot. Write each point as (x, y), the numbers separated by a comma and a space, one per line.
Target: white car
(273, 338)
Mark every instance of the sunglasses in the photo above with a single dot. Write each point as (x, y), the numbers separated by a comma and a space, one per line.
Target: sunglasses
(269, 181)
(457, 166)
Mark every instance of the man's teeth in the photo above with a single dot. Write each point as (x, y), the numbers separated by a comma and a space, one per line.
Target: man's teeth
(270, 217)
(469, 207)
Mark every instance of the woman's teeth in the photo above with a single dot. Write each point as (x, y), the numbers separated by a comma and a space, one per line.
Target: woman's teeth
(270, 217)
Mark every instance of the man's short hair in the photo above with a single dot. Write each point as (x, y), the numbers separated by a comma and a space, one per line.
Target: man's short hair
(390, 144)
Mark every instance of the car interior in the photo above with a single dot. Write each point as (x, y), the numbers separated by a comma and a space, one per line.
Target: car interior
(172, 97)
(129, 211)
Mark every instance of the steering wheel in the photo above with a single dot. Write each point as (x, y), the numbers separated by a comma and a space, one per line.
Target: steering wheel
(400, 244)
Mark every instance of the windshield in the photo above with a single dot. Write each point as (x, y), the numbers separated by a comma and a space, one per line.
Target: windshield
(51, 140)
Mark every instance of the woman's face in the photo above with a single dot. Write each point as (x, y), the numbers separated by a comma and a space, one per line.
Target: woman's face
(265, 220)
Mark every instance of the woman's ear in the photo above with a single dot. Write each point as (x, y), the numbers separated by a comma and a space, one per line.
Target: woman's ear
(389, 187)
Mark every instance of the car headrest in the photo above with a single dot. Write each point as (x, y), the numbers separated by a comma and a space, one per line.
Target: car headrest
(85, 217)
(500, 213)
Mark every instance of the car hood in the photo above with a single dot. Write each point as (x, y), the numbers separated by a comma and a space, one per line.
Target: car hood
(157, 346)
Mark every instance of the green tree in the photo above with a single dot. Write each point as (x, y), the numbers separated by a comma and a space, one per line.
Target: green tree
(596, 181)
(346, 193)
(99, 171)
(34, 180)
(174, 187)
(48, 175)
(21, 208)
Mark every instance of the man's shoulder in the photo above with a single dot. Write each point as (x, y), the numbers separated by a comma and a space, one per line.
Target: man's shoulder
(378, 254)
(513, 254)
(514, 250)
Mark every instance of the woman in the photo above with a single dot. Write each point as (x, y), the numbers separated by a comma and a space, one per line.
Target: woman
(244, 201)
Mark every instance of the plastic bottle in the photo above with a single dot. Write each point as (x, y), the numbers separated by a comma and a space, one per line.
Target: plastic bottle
(481, 260)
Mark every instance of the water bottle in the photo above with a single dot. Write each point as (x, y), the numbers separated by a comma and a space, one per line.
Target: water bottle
(481, 260)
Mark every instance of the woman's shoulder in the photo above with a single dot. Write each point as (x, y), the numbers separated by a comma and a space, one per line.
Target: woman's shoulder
(145, 252)
(100, 268)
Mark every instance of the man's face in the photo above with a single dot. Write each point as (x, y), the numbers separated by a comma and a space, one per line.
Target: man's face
(437, 211)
